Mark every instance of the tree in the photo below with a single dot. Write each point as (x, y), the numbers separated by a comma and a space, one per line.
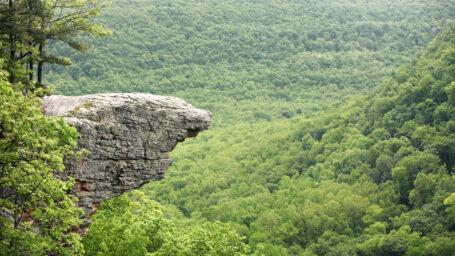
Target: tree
(27, 26)
(137, 227)
(36, 211)
(397, 242)
(449, 202)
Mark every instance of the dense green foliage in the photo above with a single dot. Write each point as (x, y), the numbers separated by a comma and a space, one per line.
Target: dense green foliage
(372, 176)
(366, 175)
(125, 227)
(251, 60)
(36, 211)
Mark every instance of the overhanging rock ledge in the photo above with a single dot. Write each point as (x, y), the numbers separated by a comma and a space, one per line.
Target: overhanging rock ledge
(129, 137)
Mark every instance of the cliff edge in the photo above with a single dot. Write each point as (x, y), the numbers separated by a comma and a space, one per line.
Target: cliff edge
(128, 136)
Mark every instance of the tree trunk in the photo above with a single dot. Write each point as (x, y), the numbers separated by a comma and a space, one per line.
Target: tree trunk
(40, 65)
(11, 38)
(12, 48)
(30, 65)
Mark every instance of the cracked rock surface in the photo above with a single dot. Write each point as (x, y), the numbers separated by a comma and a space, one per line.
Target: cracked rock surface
(129, 136)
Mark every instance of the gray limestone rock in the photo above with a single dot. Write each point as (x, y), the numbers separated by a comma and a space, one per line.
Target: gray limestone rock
(128, 136)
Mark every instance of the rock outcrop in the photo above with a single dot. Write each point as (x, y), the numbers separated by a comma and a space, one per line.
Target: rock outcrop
(128, 136)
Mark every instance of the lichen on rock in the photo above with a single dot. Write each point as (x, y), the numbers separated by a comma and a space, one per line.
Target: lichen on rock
(128, 136)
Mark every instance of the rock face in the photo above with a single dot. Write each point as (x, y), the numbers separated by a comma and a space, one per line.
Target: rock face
(128, 136)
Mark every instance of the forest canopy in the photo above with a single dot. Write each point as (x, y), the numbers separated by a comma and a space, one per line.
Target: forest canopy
(299, 162)
(333, 130)
(370, 176)
(249, 61)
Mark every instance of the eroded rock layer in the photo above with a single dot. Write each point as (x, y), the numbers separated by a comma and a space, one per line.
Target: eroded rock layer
(128, 136)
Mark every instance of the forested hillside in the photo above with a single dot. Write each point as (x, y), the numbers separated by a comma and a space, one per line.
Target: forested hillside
(373, 176)
(321, 143)
(251, 60)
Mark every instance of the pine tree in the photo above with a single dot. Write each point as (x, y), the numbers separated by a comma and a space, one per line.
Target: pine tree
(26, 26)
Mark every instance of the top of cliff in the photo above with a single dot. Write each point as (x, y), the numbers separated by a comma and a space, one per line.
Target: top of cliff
(59, 105)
